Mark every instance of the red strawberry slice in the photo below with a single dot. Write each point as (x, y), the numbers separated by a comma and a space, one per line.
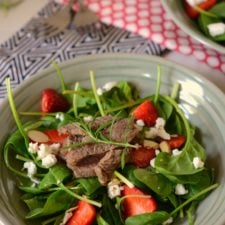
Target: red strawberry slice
(135, 205)
(84, 214)
(176, 141)
(52, 101)
(142, 156)
(147, 112)
(55, 137)
(193, 13)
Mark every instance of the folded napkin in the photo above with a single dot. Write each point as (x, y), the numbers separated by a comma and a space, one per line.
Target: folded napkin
(22, 56)
(148, 19)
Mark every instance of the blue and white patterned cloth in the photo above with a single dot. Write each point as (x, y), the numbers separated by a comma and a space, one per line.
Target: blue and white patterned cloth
(23, 55)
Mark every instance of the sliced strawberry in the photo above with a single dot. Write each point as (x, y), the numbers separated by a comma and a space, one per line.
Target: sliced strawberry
(176, 141)
(84, 214)
(142, 156)
(193, 13)
(55, 137)
(52, 101)
(147, 112)
(134, 205)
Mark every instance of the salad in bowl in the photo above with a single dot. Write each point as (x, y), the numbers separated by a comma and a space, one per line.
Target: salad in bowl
(107, 154)
(209, 17)
(203, 20)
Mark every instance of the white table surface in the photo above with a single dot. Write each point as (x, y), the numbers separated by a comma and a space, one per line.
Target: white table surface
(14, 19)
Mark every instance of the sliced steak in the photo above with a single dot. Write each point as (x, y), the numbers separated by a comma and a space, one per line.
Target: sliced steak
(97, 159)
(107, 165)
(123, 130)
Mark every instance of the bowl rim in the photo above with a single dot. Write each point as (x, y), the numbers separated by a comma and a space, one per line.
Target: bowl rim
(195, 35)
(81, 59)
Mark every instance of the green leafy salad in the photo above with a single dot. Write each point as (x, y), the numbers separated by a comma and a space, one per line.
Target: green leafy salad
(209, 16)
(107, 156)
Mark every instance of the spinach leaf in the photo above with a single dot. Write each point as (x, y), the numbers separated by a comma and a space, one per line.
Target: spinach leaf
(204, 21)
(17, 143)
(128, 172)
(57, 174)
(164, 109)
(109, 213)
(101, 221)
(128, 90)
(56, 202)
(218, 10)
(187, 179)
(204, 181)
(35, 201)
(51, 122)
(119, 95)
(90, 185)
(32, 190)
(155, 181)
(182, 164)
(155, 218)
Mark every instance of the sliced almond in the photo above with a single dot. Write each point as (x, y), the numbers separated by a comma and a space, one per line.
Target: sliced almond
(150, 144)
(164, 147)
(38, 136)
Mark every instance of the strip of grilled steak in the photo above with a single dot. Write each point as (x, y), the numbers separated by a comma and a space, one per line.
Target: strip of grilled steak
(97, 159)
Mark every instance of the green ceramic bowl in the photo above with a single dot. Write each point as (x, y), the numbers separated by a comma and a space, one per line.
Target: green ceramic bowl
(202, 102)
(176, 11)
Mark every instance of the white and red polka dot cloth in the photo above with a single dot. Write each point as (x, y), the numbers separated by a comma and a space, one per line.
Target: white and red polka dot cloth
(148, 19)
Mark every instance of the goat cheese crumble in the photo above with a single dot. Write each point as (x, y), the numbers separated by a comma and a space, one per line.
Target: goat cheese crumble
(198, 163)
(158, 130)
(194, 2)
(60, 116)
(33, 147)
(31, 168)
(216, 29)
(49, 161)
(114, 189)
(180, 189)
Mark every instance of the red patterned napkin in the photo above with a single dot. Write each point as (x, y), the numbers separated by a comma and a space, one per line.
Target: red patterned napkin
(148, 19)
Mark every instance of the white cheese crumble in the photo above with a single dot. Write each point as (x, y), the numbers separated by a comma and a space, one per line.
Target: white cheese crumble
(43, 151)
(180, 189)
(168, 221)
(60, 116)
(157, 151)
(114, 189)
(216, 29)
(194, 2)
(49, 160)
(152, 162)
(158, 130)
(108, 86)
(31, 168)
(176, 152)
(54, 147)
(140, 123)
(198, 163)
(88, 118)
(99, 91)
(33, 147)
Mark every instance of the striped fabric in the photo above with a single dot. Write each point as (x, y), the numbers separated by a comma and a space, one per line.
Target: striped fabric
(22, 56)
